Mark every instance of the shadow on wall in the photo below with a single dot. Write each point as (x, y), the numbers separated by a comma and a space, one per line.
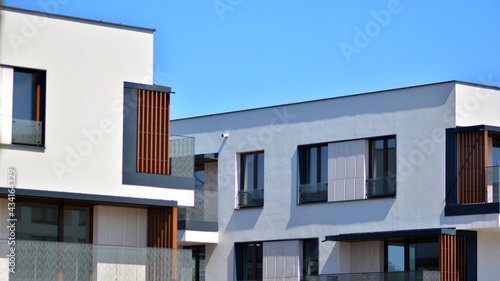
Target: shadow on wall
(245, 219)
(339, 213)
(231, 265)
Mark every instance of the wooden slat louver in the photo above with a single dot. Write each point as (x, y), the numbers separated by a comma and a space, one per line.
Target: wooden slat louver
(472, 161)
(452, 257)
(153, 132)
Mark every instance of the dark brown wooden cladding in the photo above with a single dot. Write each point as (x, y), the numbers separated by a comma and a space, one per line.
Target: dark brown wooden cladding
(153, 132)
(472, 159)
(162, 227)
(452, 253)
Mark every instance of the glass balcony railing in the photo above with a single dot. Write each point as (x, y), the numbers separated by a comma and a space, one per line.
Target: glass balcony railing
(205, 207)
(37, 260)
(380, 276)
(251, 198)
(381, 186)
(313, 192)
(26, 132)
(182, 156)
(492, 188)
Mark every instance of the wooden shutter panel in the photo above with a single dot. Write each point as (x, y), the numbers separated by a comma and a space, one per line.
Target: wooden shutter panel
(162, 227)
(452, 258)
(153, 132)
(472, 161)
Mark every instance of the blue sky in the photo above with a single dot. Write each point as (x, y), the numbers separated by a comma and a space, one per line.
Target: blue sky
(227, 55)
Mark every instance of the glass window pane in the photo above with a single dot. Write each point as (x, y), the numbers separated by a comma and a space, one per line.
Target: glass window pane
(248, 171)
(324, 164)
(312, 165)
(260, 171)
(310, 257)
(495, 153)
(77, 224)
(37, 222)
(23, 95)
(377, 159)
(396, 257)
(424, 256)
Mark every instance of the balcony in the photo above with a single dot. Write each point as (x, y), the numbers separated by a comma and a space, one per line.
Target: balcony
(182, 156)
(381, 187)
(251, 198)
(203, 216)
(313, 192)
(380, 276)
(37, 260)
(493, 183)
(27, 132)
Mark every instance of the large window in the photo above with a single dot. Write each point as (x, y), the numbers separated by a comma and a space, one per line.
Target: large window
(52, 222)
(249, 261)
(198, 262)
(251, 192)
(412, 255)
(382, 181)
(313, 173)
(28, 112)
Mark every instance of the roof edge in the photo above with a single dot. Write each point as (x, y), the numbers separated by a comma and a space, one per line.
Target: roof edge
(78, 19)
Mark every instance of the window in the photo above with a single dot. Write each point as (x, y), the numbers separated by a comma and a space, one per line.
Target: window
(198, 262)
(310, 257)
(51, 222)
(249, 261)
(382, 179)
(28, 112)
(313, 173)
(251, 192)
(412, 256)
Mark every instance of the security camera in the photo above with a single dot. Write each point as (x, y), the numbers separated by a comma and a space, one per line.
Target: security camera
(225, 135)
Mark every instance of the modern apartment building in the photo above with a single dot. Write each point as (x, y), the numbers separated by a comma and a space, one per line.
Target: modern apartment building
(87, 159)
(401, 184)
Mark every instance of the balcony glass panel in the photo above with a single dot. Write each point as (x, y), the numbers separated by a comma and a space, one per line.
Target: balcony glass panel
(381, 186)
(492, 189)
(251, 198)
(313, 192)
(205, 207)
(26, 132)
(36, 260)
(182, 156)
(380, 276)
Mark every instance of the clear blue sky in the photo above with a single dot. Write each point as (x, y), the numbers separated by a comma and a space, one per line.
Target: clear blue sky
(227, 55)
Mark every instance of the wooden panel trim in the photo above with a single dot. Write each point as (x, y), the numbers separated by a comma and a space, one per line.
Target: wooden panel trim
(153, 132)
(472, 162)
(452, 257)
(162, 227)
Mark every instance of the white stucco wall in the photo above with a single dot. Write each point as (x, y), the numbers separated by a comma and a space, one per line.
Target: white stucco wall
(418, 117)
(86, 65)
(488, 255)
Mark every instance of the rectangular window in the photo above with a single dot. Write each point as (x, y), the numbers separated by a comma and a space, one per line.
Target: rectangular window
(28, 112)
(313, 173)
(412, 255)
(249, 258)
(382, 181)
(51, 222)
(310, 257)
(251, 192)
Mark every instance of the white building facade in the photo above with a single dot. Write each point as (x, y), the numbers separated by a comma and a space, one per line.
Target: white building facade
(86, 153)
(394, 184)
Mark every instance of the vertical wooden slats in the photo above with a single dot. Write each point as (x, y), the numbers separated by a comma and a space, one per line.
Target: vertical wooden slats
(452, 257)
(162, 227)
(472, 163)
(153, 132)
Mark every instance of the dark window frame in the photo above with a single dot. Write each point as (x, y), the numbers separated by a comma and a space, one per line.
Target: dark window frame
(386, 172)
(61, 206)
(39, 90)
(256, 200)
(240, 251)
(304, 156)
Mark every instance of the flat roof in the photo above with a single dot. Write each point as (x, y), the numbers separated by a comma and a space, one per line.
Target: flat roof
(77, 19)
(345, 96)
